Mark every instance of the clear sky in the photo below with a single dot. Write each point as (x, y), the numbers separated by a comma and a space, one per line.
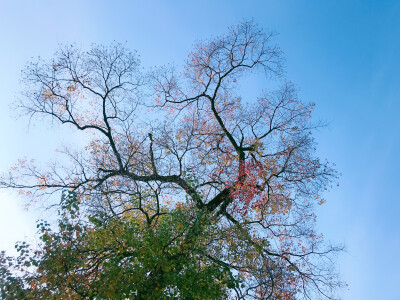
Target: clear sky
(342, 55)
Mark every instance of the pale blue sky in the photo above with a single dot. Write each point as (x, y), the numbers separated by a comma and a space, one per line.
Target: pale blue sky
(342, 55)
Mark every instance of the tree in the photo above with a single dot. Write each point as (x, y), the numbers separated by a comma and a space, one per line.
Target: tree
(117, 258)
(168, 143)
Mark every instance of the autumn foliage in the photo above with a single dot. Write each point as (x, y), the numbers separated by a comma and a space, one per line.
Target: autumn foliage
(185, 189)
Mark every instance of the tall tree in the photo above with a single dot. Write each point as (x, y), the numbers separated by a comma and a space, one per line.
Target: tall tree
(166, 139)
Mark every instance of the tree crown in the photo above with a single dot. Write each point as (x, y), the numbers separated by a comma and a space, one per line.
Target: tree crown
(169, 148)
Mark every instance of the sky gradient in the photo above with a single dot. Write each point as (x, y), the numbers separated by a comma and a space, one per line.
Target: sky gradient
(342, 55)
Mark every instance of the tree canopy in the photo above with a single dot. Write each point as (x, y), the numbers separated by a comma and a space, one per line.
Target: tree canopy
(185, 189)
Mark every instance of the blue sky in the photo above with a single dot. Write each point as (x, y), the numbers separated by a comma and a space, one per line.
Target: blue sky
(342, 55)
